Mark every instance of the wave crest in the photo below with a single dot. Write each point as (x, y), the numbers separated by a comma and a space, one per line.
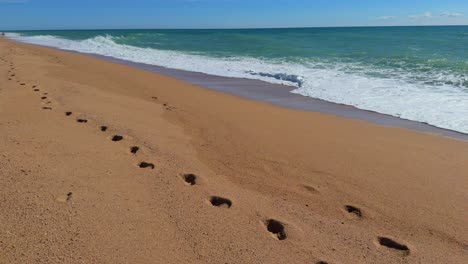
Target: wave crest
(299, 80)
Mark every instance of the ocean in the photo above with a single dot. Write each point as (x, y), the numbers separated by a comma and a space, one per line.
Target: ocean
(415, 73)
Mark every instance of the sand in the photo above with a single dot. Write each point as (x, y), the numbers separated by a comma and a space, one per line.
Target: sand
(162, 171)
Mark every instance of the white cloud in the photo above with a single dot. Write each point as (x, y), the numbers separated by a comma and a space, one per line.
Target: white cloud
(423, 15)
(451, 14)
(386, 17)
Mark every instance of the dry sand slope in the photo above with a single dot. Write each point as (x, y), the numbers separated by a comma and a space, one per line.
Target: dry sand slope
(103, 163)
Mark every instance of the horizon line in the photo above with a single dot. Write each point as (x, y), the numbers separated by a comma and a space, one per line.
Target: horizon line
(230, 28)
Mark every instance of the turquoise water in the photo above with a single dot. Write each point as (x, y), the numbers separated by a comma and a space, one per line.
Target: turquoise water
(417, 73)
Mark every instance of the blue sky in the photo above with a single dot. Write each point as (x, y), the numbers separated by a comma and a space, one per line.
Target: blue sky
(90, 14)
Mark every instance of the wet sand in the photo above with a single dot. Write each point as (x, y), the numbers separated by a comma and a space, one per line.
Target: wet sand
(106, 163)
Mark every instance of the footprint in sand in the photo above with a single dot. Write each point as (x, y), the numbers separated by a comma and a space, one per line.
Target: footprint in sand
(65, 198)
(310, 189)
(145, 165)
(82, 121)
(134, 149)
(276, 228)
(220, 202)
(353, 211)
(68, 113)
(393, 245)
(44, 97)
(103, 128)
(190, 179)
(47, 108)
(117, 138)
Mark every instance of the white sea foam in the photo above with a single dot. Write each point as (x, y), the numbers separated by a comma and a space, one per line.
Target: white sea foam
(397, 94)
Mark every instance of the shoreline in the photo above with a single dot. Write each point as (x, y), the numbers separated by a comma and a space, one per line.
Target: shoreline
(280, 95)
(106, 163)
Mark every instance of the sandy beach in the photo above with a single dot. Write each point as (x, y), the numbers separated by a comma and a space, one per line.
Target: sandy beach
(105, 163)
